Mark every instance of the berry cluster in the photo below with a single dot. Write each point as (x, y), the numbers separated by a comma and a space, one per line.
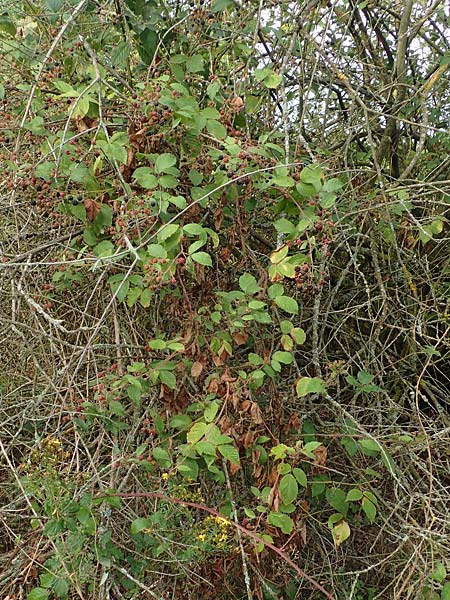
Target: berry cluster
(308, 281)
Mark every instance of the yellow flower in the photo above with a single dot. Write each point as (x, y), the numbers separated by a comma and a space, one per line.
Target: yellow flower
(165, 476)
(201, 537)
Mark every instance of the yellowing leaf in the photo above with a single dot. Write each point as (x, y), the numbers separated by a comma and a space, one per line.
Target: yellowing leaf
(341, 532)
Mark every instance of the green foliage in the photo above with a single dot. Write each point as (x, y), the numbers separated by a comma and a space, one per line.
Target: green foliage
(206, 262)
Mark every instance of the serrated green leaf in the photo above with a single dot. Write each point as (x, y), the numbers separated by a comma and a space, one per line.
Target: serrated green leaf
(140, 524)
(167, 231)
(168, 379)
(196, 432)
(103, 249)
(216, 129)
(38, 593)
(145, 178)
(229, 452)
(310, 385)
(288, 488)
(203, 258)
(287, 304)
(445, 592)
(336, 497)
(210, 411)
(181, 422)
(439, 573)
(248, 284)
(282, 521)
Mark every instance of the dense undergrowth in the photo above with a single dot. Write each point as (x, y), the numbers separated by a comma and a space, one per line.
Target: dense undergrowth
(224, 300)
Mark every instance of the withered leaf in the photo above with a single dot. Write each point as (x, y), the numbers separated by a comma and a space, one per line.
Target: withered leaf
(196, 369)
(92, 208)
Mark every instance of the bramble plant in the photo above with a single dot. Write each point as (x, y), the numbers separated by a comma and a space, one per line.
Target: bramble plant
(224, 299)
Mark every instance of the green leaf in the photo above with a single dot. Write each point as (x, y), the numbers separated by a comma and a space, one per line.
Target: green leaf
(369, 447)
(216, 129)
(445, 592)
(195, 176)
(167, 231)
(255, 359)
(116, 408)
(272, 81)
(284, 226)
(285, 358)
(104, 216)
(279, 255)
(203, 258)
(350, 445)
(332, 185)
(214, 87)
(229, 452)
(168, 181)
(312, 174)
(162, 457)
(188, 468)
(156, 251)
(287, 304)
(300, 476)
(275, 290)
(148, 42)
(120, 54)
(220, 5)
(210, 411)
(354, 496)
(9, 28)
(439, 573)
(38, 593)
(164, 162)
(288, 488)
(286, 326)
(195, 63)
(283, 468)
(134, 392)
(145, 297)
(2, 91)
(337, 499)
(282, 521)
(195, 229)
(283, 181)
(168, 379)
(103, 249)
(119, 286)
(140, 524)
(310, 385)
(196, 432)
(180, 422)
(44, 170)
(248, 284)
(298, 335)
(370, 509)
(145, 178)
